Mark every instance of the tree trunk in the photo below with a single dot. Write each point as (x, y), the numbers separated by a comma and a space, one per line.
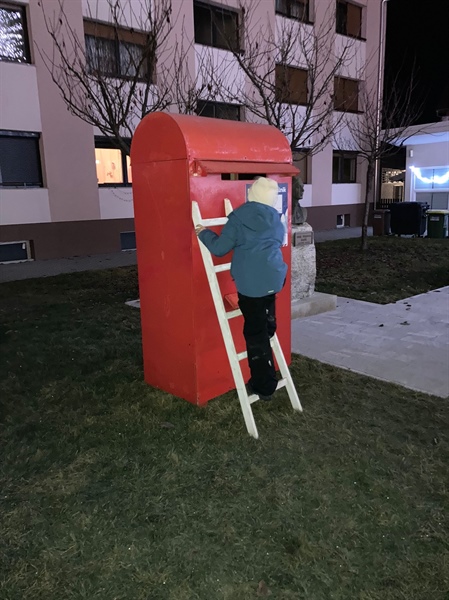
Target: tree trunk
(369, 185)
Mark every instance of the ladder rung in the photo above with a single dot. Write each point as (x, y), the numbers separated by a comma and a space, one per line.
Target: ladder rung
(233, 313)
(253, 398)
(220, 268)
(281, 383)
(213, 222)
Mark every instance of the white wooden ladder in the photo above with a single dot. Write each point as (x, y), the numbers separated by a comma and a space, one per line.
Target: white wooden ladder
(223, 319)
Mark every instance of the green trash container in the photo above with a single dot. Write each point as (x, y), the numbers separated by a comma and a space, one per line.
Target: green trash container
(437, 223)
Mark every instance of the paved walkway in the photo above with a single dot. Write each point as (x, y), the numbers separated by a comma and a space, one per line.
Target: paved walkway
(340, 234)
(406, 342)
(48, 268)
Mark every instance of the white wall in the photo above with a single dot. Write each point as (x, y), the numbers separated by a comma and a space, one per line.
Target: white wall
(307, 198)
(353, 55)
(346, 193)
(116, 203)
(132, 13)
(19, 99)
(224, 66)
(289, 29)
(24, 206)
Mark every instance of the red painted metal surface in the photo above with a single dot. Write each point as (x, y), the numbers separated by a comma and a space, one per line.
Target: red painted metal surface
(183, 349)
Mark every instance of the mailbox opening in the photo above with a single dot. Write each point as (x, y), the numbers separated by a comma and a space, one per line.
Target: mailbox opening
(241, 176)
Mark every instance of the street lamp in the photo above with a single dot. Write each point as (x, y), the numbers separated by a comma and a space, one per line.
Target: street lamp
(380, 77)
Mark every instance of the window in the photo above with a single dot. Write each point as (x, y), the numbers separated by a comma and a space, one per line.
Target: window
(431, 178)
(113, 165)
(291, 85)
(349, 19)
(13, 34)
(344, 167)
(218, 110)
(12, 252)
(343, 220)
(20, 163)
(294, 9)
(346, 94)
(216, 26)
(301, 161)
(117, 52)
(128, 240)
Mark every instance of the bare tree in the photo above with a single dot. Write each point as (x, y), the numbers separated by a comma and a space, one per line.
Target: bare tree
(107, 75)
(289, 68)
(188, 81)
(363, 135)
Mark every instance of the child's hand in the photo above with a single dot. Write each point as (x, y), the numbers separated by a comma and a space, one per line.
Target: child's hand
(199, 229)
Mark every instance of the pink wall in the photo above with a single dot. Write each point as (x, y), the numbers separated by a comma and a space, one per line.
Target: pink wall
(68, 144)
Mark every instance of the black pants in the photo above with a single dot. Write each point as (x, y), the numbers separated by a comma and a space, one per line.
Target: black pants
(259, 326)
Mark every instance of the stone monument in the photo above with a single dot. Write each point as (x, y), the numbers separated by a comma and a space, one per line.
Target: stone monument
(305, 301)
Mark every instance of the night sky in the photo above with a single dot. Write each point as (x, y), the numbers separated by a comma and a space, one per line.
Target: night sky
(418, 30)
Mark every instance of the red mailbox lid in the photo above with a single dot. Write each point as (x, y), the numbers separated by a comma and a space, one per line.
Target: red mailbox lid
(223, 166)
(163, 136)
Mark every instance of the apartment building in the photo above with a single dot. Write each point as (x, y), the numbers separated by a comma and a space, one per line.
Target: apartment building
(66, 190)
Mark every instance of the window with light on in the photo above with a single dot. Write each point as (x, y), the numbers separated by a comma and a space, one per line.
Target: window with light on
(113, 167)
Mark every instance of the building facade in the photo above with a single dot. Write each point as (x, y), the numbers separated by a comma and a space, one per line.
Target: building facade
(65, 190)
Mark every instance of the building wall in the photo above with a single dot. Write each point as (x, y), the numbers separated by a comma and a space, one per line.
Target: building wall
(71, 215)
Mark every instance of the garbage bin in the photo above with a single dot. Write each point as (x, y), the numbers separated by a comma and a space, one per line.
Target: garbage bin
(437, 223)
(408, 218)
(381, 222)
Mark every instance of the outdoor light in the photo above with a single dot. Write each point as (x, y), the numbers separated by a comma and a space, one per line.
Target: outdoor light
(438, 179)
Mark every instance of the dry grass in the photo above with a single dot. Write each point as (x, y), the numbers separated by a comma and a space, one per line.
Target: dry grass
(392, 268)
(101, 499)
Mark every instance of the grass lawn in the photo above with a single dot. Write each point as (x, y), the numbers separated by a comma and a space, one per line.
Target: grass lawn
(112, 490)
(392, 268)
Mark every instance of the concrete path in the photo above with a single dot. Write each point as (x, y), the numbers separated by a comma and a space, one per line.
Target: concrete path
(340, 234)
(405, 343)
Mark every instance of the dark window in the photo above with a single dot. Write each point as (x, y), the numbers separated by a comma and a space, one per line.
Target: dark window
(349, 19)
(294, 9)
(112, 164)
(346, 94)
(215, 26)
(20, 163)
(14, 251)
(13, 34)
(291, 85)
(117, 52)
(344, 167)
(301, 159)
(128, 240)
(218, 110)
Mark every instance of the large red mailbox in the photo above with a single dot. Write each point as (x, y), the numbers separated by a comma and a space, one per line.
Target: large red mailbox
(177, 159)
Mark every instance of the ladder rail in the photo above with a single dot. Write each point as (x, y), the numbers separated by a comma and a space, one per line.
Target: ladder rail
(226, 331)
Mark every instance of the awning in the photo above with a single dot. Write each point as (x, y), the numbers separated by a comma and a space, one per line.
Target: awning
(256, 168)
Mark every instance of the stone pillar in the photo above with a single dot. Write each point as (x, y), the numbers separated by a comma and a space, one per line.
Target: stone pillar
(303, 262)
(305, 301)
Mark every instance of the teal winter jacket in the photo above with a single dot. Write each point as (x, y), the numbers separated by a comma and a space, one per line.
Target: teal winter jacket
(255, 232)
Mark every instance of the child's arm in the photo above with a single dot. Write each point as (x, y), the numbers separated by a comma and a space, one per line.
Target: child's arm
(221, 244)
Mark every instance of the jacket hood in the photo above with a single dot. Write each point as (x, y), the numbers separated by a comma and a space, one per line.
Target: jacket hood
(256, 216)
